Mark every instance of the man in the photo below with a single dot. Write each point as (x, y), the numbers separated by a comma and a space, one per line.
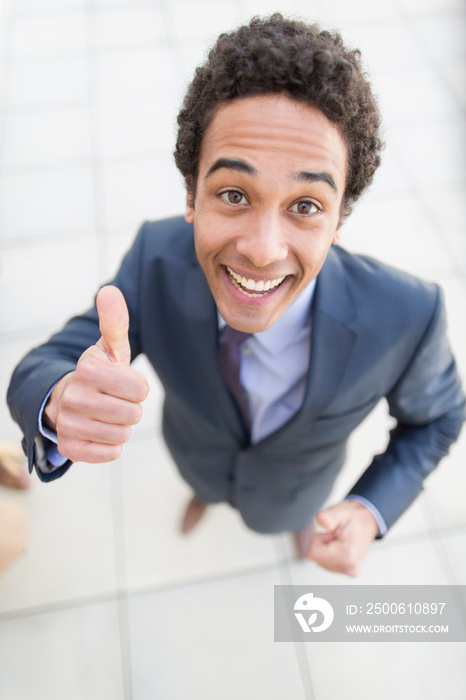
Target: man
(278, 137)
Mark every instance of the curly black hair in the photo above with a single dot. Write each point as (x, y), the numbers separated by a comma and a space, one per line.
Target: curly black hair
(278, 55)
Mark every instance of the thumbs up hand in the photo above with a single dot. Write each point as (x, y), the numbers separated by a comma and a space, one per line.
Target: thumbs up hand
(93, 408)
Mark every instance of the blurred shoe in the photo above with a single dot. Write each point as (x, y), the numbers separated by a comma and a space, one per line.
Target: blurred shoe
(12, 467)
(193, 514)
(303, 539)
(13, 532)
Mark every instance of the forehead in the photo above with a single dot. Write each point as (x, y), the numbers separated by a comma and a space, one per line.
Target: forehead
(277, 132)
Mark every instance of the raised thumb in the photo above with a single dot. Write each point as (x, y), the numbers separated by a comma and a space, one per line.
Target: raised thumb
(113, 324)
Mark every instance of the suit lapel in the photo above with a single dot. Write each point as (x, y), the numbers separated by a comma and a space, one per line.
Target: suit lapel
(332, 334)
(333, 338)
(201, 331)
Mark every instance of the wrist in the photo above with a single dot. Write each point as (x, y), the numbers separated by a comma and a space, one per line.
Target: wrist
(52, 406)
(370, 523)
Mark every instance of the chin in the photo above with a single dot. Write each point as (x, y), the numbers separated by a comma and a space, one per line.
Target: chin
(249, 323)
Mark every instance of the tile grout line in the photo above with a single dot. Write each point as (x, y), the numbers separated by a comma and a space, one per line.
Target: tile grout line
(102, 264)
(5, 34)
(411, 23)
(417, 192)
(443, 556)
(79, 162)
(120, 572)
(96, 163)
(58, 606)
(127, 593)
(172, 42)
(121, 592)
(33, 240)
(302, 659)
(417, 196)
(436, 535)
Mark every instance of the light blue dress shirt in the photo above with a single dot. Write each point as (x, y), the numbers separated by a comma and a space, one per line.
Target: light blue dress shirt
(273, 372)
(274, 365)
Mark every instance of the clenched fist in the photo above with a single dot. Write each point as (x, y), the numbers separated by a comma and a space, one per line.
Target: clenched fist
(351, 528)
(93, 408)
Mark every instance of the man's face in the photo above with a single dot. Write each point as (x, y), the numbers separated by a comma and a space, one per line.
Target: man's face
(272, 175)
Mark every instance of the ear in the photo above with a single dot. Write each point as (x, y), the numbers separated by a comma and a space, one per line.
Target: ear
(189, 212)
(337, 236)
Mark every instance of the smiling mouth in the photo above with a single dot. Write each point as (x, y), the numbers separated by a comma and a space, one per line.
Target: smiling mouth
(253, 288)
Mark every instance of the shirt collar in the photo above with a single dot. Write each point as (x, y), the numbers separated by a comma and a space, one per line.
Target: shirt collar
(296, 317)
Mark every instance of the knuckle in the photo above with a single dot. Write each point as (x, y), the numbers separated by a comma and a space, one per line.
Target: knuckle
(113, 435)
(72, 450)
(112, 452)
(100, 453)
(89, 452)
(350, 566)
(141, 386)
(134, 414)
(77, 400)
(64, 426)
(142, 393)
(145, 390)
(125, 433)
(63, 447)
(67, 401)
(87, 371)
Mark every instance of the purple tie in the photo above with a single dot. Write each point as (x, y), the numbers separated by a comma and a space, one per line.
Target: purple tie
(229, 355)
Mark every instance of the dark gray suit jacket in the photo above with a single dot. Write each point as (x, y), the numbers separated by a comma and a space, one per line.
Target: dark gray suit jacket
(376, 332)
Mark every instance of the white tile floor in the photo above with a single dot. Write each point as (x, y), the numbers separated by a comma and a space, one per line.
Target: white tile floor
(109, 601)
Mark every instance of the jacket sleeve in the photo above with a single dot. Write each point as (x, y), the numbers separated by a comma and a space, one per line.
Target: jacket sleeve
(428, 405)
(45, 365)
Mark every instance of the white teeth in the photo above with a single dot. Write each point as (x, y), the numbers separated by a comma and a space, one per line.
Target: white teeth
(254, 286)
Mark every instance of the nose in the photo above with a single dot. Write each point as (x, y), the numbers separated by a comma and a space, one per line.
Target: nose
(263, 240)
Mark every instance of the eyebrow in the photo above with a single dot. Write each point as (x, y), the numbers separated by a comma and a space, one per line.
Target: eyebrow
(315, 177)
(231, 164)
(242, 167)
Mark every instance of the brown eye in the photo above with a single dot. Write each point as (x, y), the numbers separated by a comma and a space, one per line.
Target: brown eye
(305, 208)
(233, 197)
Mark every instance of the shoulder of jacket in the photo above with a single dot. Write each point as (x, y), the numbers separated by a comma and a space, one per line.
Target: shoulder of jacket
(371, 272)
(386, 289)
(167, 236)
